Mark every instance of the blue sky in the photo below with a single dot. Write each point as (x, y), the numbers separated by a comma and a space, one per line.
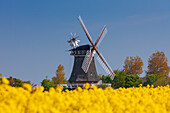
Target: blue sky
(34, 34)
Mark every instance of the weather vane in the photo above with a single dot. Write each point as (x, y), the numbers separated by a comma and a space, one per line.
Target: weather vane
(73, 41)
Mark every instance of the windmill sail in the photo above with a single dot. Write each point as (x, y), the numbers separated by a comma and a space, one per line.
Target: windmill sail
(104, 32)
(85, 29)
(89, 56)
(87, 60)
(107, 68)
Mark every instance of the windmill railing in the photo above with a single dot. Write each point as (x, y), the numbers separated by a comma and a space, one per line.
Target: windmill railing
(81, 83)
(78, 52)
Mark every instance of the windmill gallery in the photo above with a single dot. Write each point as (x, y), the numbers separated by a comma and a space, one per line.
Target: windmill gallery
(84, 69)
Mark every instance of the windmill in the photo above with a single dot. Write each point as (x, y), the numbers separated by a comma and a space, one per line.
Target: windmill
(84, 69)
(89, 55)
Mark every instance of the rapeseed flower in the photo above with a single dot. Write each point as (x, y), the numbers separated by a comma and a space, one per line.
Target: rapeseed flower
(5, 81)
(84, 100)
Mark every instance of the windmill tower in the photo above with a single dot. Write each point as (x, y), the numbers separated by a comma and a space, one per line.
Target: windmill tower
(78, 76)
(84, 69)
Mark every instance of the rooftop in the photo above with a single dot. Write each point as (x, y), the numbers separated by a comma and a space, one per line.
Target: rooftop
(83, 47)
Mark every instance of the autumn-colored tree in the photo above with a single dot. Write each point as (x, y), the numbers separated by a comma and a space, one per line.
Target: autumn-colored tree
(60, 75)
(133, 65)
(157, 64)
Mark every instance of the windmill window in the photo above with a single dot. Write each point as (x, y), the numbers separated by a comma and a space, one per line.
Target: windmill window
(78, 52)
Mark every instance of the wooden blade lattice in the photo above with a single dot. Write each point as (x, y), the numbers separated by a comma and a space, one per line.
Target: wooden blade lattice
(102, 36)
(87, 61)
(85, 29)
(111, 74)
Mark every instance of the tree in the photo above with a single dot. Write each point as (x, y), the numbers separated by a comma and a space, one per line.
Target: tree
(150, 79)
(133, 65)
(106, 79)
(15, 82)
(1, 78)
(60, 75)
(132, 80)
(162, 81)
(119, 80)
(46, 83)
(158, 64)
(18, 83)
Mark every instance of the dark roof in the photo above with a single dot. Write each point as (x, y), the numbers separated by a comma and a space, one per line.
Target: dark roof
(83, 47)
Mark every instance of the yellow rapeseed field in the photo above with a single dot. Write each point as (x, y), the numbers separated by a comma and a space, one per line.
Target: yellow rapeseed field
(93, 100)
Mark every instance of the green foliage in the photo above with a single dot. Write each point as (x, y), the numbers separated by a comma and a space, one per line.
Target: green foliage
(0, 80)
(15, 82)
(46, 83)
(123, 80)
(106, 79)
(28, 82)
(132, 80)
(18, 83)
(150, 79)
(162, 81)
(102, 86)
(119, 80)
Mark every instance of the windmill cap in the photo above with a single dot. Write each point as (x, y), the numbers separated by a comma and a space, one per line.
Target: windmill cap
(83, 47)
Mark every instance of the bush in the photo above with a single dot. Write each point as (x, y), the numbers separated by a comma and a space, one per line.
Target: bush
(150, 79)
(132, 80)
(103, 86)
(162, 81)
(46, 83)
(119, 80)
(106, 79)
(15, 82)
